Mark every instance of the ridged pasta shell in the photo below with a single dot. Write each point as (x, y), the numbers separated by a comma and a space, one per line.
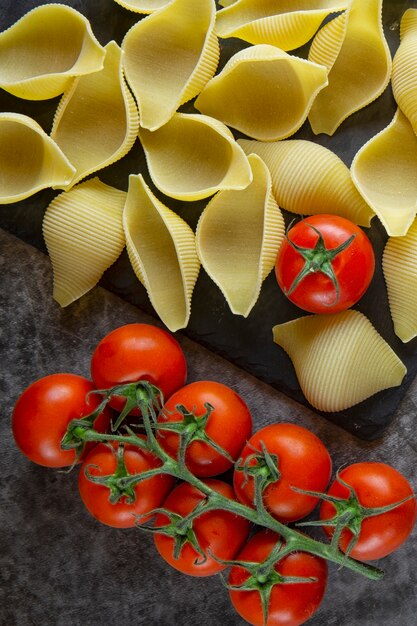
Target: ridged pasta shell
(263, 92)
(282, 23)
(339, 359)
(161, 248)
(42, 52)
(351, 42)
(404, 68)
(193, 156)
(309, 179)
(83, 233)
(143, 6)
(29, 159)
(385, 172)
(399, 262)
(97, 121)
(169, 57)
(238, 236)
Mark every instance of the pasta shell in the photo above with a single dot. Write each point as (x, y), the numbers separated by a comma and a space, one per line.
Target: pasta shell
(349, 43)
(97, 121)
(404, 68)
(399, 263)
(42, 52)
(83, 233)
(287, 25)
(187, 140)
(339, 359)
(309, 179)
(238, 236)
(161, 248)
(263, 92)
(143, 6)
(29, 159)
(384, 170)
(180, 42)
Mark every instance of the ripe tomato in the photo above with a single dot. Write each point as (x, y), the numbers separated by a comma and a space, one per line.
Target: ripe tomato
(138, 352)
(333, 277)
(229, 426)
(220, 532)
(375, 485)
(149, 493)
(290, 604)
(302, 461)
(44, 410)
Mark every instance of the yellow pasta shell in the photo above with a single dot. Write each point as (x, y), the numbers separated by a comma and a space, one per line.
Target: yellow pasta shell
(193, 156)
(42, 52)
(384, 171)
(29, 159)
(97, 122)
(238, 236)
(309, 179)
(351, 42)
(404, 68)
(169, 57)
(143, 6)
(339, 359)
(161, 248)
(263, 92)
(282, 23)
(83, 233)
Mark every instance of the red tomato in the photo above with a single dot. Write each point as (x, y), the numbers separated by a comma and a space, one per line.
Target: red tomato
(220, 532)
(332, 279)
(375, 485)
(303, 462)
(229, 426)
(44, 410)
(139, 352)
(290, 604)
(149, 494)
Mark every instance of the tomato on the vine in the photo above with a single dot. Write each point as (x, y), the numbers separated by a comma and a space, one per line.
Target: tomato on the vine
(325, 264)
(228, 424)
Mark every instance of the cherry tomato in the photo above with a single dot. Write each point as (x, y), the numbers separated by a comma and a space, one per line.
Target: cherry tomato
(333, 277)
(229, 425)
(290, 604)
(375, 485)
(302, 461)
(220, 532)
(149, 494)
(44, 410)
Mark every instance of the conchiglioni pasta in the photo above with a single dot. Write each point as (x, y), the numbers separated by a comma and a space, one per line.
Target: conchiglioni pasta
(238, 236)
(354, 49)
(143, 6)
(283, 23)
(162, 251)
(29, 159)
(83, 232)
(404, 68)
(263, 92)
(42, 52)
(193, 156)
(97, 121)
(339, 359)
(309, 179)
(384, 170)
(169, 57)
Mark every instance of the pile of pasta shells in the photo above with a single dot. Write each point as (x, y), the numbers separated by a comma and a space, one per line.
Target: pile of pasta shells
(112, 96)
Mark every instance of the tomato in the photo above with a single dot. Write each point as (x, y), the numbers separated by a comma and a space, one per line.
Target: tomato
(149, 494)
(375, 485)
(220, 532)
(325, 264)
(44, 410)
(302, 462)
(138, 352)
(229, 425)
(290, 604)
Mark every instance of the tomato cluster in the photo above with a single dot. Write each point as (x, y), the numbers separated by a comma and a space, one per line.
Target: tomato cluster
(205, 480)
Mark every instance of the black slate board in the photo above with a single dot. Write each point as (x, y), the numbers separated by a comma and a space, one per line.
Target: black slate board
(246, 342)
